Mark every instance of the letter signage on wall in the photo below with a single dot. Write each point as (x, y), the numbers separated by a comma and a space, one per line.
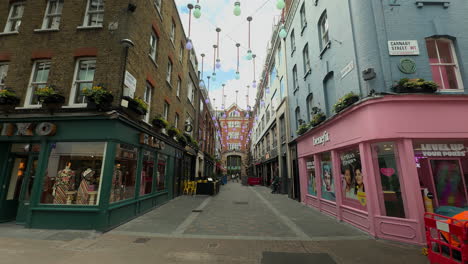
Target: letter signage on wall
(322, 139)
(153, 142)
(403, 47)
(28, 129)
(443, 150)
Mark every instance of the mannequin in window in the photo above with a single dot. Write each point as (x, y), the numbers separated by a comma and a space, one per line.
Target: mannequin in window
(86, 185)
(116, 188)
(64, 182)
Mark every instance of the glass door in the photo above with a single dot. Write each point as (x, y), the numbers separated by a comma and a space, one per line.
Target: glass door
(26, 189)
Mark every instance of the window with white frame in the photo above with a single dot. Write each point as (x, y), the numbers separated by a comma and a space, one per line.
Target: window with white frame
(201, 105)
(166, 111)
(84, 77)
(153, 45)
(190, 91)
(323, 29)
(181, 52)
(14, 19)
(94, 13)
(53, 14)
(169, 71)
(293, 41)
(147, 98)
(234, 113)
(279, 54)
(295, 80)
(444, 64)
(158, 4)
(39, 78)
(173, 26)
(298, 117)
(234, 135)
(306, 60)
(3, 74)
(303, 16)
(179, 84)
(176, 120)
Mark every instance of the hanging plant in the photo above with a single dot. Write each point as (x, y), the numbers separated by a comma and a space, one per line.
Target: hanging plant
(345, 102)
(415, 86)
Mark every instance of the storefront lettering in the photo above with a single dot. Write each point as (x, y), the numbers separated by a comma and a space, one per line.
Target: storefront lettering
(443, 150)
(28, 129)
(347, 159)
(322, 139)
(153, 142)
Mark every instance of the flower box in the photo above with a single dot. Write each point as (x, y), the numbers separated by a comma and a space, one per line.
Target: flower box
(172, 132)
(318, 119)
(8, 101)
(415, 86)
(136, 108)
(52, 102)
(345, 101)
(105, 104)
(160, 123)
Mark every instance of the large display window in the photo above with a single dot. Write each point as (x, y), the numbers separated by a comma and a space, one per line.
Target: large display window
(311, 180)
(162, 168)
(146, 181)
(74, 173)
(328, 185)
(124, 175)
(385, 158)
(443, 174)
(354, 191)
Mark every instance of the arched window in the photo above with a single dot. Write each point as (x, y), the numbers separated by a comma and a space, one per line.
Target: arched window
(298, 117)
(323, 30)
(309, 101)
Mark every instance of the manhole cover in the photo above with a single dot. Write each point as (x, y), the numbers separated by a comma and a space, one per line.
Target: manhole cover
(303, 258)
(197, 211)
(141, 240)
(241, 202)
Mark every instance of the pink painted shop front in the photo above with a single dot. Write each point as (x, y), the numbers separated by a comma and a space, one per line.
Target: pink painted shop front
(371, 164)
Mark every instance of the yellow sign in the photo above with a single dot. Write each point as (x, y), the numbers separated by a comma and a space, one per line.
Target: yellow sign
(362, 198)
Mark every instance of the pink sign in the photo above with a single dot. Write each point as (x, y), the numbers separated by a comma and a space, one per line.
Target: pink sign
(387, 171)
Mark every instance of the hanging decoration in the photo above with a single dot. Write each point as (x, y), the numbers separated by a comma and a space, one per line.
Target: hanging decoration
(214, 63)
(267, 90)
(189, 45)
(254, 84)
(207, 100)
(197, 11)
(249, 52)
(237, 72)
(237, 9)
(222, 102)
(202, 83)
(282, 33)
(235, 111)
(218, 60)
(280, 4)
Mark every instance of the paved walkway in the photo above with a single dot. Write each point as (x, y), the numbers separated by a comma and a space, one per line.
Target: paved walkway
(239, 225)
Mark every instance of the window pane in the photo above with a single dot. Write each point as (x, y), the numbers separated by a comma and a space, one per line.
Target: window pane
(79, 96)
(311, 181)
(3, 74)
(445, 51)
(432, 51)
(385, 159)
(146, 185)
(354, 193)
(73, 173)
(86, 70)
(161, 178)
(42, 72)
(123, 178)
(328, 186)
(450, 77)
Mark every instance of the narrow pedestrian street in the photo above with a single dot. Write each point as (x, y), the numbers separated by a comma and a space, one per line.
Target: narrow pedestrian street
(240, 225)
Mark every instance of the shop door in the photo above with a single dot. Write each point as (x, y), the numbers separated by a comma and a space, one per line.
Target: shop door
(22, 170)
(449, 183)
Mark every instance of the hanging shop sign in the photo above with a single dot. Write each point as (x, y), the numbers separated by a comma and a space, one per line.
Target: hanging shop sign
(153, 142)
(322, 139)
(443, 150)
(28, 129)
(403, 47)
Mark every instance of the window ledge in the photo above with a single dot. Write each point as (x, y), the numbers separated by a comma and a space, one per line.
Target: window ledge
(327, 46)
(153, 61)
(47, 30)
(448, 91)
(9, 33)
(307, 73)
(28, 107)
(303, 28)
(292, 52)
(75, 106)
(90, 27)
(169, 84)
(158, 11)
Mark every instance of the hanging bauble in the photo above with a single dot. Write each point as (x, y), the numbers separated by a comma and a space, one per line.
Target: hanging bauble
(267, 90)
(222, 107)
(189, 45)
(237, 9)
(224, 115)
(254, 84)
(248, 108)
(197, 11)
(213, 118)
(237, 76)
(262, 102)
(249, 55)
(279, 4)
(202, 84)
(283, 33)
(207, 101)
(213, 77)
(256, 118)
(218, 63)
(247, 115)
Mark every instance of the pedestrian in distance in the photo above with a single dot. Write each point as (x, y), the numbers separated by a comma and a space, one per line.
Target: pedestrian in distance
(275, 184)
(237, 177)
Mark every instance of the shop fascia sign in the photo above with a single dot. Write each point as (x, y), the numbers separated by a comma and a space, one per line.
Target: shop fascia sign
(28, 129)
(443, 150)
(322, 139)
(153, 142)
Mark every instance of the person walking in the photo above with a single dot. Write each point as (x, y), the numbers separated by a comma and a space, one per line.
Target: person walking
(275, 184)
(237, 177)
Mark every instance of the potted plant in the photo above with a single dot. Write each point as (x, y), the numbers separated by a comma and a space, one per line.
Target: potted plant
(50, 98)
(406, 85)
(138, 106)
(8, 100)
(345, 101)
(318, 119)
(160, 123)
(303, 128)
(173, 131)
(98, 98)
(182, 140)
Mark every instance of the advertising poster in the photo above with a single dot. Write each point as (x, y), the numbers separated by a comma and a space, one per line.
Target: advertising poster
(328, 186)
(311, 183)
(352, 176)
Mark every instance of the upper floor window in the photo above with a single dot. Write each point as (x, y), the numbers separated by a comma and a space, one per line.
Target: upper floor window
(39, 78)
(94, 13)
(190, 91)
(444, 65)
(306, 60)
(234, 114)
(279, 54)
(309, 102)
(3, 74)
(166, 111)
(323, 29)
(293, 41)
(53, 14)
(169, 72)
(173, 26)
(201, 105)
(158, 4)
(295, 80)
(303, 16)
(179, 83)
(298, 117)
(14, 18)
(282, 91)
(153, 45)
(176, 120)
(147, 98)
(181, 52)
(84, 77)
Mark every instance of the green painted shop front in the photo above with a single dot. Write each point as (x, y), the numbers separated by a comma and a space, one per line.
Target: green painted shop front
(82, 172)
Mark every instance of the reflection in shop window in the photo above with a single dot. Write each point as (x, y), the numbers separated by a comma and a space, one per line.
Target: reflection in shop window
(74, 173)
(354, 193)
(328, 185)
(161, 179)
(146, 184)
(386, 161)
(123, 178)
(311, 182)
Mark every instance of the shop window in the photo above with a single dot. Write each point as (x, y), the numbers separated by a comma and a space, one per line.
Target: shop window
(328, 185)
(162, 168)
(74, 173)
(124, 175)
(311, 181)
(385, 157)
(443, 172)
(354, 192)
(146, 184)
